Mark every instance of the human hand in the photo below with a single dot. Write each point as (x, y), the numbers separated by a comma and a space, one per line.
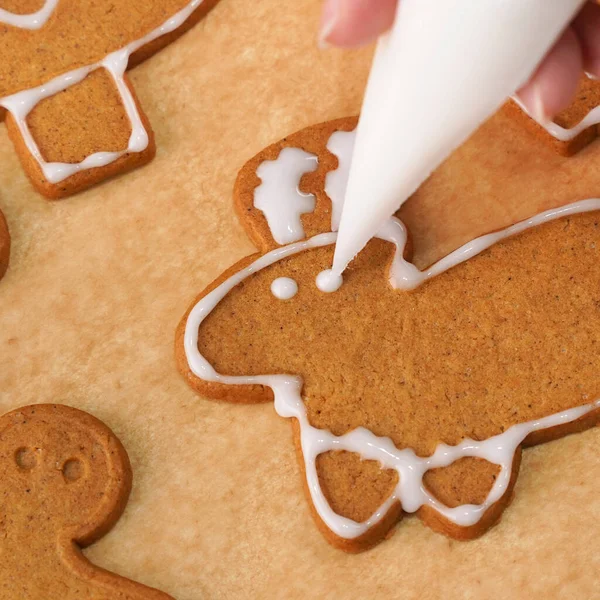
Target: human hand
(352, 23)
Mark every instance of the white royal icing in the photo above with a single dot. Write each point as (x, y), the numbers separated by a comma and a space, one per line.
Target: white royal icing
(22, 103)
(34, 20)
(410, 490)
(284, 288)
(279, 197)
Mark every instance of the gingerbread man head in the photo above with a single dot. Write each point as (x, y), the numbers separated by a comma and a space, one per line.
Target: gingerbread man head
(64, 472)
(65, 480)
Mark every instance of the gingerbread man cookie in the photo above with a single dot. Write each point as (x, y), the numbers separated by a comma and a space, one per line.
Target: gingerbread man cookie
(65, 481)
(4, 245)
(70, 109)
(411, 389)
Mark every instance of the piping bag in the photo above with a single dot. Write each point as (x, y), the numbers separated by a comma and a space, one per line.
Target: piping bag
(443, 69)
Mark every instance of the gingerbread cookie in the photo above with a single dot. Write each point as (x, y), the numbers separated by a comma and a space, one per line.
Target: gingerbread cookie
(572, 129)
(4, 245)
(72, 113)
(410, 390)
(65, 481)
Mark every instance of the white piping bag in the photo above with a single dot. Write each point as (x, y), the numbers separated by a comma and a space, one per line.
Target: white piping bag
(438, 74)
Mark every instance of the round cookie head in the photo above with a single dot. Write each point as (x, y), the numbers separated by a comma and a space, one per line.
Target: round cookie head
(63, 473)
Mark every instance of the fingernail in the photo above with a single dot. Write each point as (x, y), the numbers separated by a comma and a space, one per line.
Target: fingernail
(538, 108)
(329, 20)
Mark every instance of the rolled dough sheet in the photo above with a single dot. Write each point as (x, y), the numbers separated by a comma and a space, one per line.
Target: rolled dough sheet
(98, 282)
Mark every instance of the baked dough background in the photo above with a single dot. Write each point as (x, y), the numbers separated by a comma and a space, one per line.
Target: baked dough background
(98, 282)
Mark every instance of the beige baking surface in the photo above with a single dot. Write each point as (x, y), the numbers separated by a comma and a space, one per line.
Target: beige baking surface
(98, 282)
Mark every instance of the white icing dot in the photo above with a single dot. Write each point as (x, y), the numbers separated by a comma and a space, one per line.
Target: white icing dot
(328, 281)
(284, 288)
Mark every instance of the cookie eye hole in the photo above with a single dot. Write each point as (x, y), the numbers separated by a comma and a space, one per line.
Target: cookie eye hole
(72, 470)
(25, 458)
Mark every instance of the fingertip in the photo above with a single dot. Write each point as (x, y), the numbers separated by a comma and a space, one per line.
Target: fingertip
(587, 27)
(351, 23)
(553, 85)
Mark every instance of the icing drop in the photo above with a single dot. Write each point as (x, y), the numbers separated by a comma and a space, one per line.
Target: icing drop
(34, 20)
(328, 281)
(284, 288)
(22, 103)
(278, 196)
(341, 144)
(410, 490)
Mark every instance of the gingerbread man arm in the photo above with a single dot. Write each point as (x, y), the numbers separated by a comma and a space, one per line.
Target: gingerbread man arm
(107, 585)
(574, 128)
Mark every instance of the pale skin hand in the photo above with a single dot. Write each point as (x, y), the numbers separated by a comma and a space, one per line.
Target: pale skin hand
(352, 23)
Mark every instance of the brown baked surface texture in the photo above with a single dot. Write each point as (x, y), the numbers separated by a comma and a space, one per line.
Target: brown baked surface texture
(4, 245)
(65, 479)
(98, 282)
(88, 117)
(507, 337)
(587, 98)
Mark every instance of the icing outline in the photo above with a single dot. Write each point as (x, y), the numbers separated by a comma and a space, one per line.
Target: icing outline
(281, 204)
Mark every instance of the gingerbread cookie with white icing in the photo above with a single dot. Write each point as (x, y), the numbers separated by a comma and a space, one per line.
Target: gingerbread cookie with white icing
(411, 389)
(70, 109)
(4, 245)
(65, 480)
